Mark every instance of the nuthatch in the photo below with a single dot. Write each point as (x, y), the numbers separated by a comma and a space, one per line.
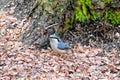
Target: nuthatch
(58, 45)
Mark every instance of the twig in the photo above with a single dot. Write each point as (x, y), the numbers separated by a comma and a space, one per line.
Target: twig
(51, 26)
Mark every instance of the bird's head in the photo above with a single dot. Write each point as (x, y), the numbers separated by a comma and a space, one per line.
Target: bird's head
(53, 37)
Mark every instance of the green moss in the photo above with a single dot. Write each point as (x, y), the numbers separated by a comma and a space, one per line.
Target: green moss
(80, 15)
(81, 11)
(107, 1)
(112, 17)
(95, 14)
(84, 11)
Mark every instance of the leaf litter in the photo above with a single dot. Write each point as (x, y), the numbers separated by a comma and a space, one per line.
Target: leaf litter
(20, 62)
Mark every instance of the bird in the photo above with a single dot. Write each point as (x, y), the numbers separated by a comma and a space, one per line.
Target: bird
(58, 45)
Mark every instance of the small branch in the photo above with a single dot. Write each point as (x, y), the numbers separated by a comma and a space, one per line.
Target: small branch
(50, 26)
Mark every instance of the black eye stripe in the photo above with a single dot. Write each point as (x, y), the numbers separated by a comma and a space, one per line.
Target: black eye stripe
(55, 38)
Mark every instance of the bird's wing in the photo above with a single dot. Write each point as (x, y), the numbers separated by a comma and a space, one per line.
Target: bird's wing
(62, 46)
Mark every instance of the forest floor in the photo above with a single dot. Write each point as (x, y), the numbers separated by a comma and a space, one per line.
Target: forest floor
(21, 62)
